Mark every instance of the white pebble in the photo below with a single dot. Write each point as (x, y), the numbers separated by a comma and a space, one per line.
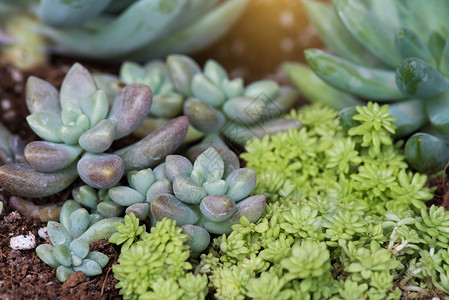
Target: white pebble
(43, 233)
(23, 242)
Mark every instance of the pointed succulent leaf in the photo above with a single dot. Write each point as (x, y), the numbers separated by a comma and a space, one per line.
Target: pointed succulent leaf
(159, 172)
(77, 87)
(265, 90)
(79, 248)
(63, 273)
(100, 230)
(70, 113)
(207, 91)
(41, 96)
(437, 109)
(177, 165)
(98, 108)
(218, 187)
(410, 116)
(245, 109)
(83, 122)
(241, 183)
(167, 105)
(109, 209)
(416, 78)
(215, 72)
(217, 208)
(140, 210)
(426, 153)
(99, 138)
(162, 186)
(130, 108)
(208, 166)
(182, 69)
(167, 206)
(202, 116)
(141, 180)
(48, 157)
(70, 134)
(233, 88)
(362, 81)
(100, 258)
(315, 89)
(125, 196)
(61, 254)
(199, 238)
(251, 208)
(368, 29)
(23, 181)
(58, 234)
(188, 191)
(100, 171)
(131, 72)
(156, 146)
(67, 209)
(46, 125)
(45, 253)
(79, 222)
(89, 267)
(76, 261)
(409, 44)
(86, 196)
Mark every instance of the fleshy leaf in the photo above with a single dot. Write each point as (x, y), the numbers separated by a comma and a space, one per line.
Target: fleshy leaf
(125, 196)
(79, 222)
(177, 165)
(46, 125)
(162, 186)
(426, 153)
(48, 157)
(45, 253)
(99, 138)
(167, 206)
(188, 191)
(217, 208)
(41, 96)
(58, 234)
(203, 116)
(208, 166)
(241, 183)
(100, 171)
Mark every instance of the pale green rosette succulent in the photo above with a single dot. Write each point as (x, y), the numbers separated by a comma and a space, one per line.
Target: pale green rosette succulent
(70, 239)
(210, 195)
(78, 126)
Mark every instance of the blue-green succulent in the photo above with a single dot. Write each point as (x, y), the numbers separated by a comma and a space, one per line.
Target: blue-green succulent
(78, 126)
(70, 239)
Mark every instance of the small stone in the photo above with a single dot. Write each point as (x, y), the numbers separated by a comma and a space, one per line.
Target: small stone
(23, 242)
(43, 233)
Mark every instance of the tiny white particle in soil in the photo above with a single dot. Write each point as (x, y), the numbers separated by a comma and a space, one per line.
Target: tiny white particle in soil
(23, 242)
(43, 233)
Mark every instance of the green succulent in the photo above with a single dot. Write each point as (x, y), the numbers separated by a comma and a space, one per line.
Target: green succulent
(70, 240)
(11, 147)
(77, 127)
(97, 201)
(386, 51)
(129, 29)
(127, 232)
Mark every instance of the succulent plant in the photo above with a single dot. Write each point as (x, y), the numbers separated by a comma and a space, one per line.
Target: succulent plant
(212, 193)
(70, 239)
(11, 147)
(388, 51)
(97, 201)
(132, 29)
(77, 127)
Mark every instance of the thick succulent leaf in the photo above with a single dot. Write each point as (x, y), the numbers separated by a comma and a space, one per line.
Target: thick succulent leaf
(332, 31)
(125, 196)
(61, 13)
(444, 61)
(265, 90)
(218, 187)
(182, 69)
(100, 171)
(233, 88)
(245, 110)
(140, 210)
(69, 207)
(99, 138)
(346, 117)
(89, 267)
(217, 208)
(409, 44)
(438, 113)
(241, 183)
(410, 116)
(61, 254)
(215, 72)
(162, 186)
(315, 89)
(70, 134)
(167, 105)
(362, 81)
(77, 87)
(386, 10)
(58, 234)
(148, 126)
(167, 206)
(252, 208)
(70, 113)
(131, 72)
(156, 146)
(208, 166)
(207, 91)
(100, 230)
(86, 196)
(368, 29)
(97, 109)
(159, 172)
(23, 181)
(141, 180)
(46, 125)
(202, 33)
(186, 190)
(436, 44)
(203, 116)
(130, 108)
(426, 153)
(79, 248)
(108, 83)
(100, 258)
(109, 209)
(45, 253)
(79, 222)
(415, 78)
(41, 96)
(177, 165)
(49, 157)
(199, 238)
(63, 273)
(118, 6)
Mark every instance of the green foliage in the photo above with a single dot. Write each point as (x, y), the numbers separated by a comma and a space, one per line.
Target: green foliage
(127, 232)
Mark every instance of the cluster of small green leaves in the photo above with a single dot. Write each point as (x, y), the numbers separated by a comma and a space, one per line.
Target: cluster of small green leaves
(344, 218)
(154, 266)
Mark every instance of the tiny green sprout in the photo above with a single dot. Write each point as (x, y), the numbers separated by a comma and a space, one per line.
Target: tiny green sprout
(127, 232)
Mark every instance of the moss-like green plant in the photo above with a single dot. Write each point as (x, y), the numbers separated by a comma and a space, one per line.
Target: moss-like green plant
(127, 232)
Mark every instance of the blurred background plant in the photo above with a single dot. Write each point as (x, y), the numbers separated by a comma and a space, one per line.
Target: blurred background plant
(386, 51)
